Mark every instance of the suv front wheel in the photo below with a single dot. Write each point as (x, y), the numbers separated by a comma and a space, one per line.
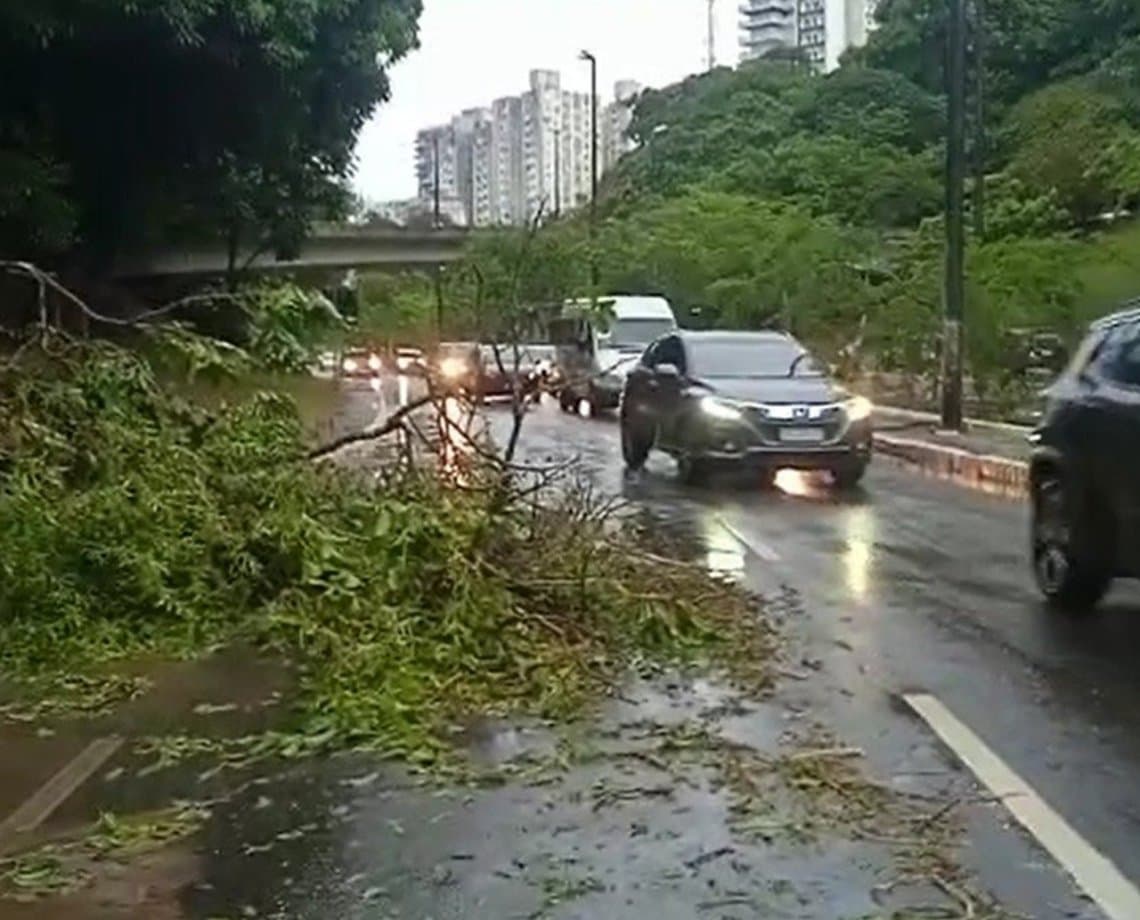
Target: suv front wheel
(1065, 564)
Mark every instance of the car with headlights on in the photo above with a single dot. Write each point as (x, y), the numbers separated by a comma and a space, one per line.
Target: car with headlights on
(532, 366)
(457, 366)
(360, 361)
(742, 399)
(410, 360)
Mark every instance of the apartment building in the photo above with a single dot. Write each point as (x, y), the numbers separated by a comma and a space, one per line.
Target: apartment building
(524, 154)
(767, 26)
(822, 29)
(616, 119)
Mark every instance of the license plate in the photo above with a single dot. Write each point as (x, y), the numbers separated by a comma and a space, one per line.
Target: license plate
(801, 435)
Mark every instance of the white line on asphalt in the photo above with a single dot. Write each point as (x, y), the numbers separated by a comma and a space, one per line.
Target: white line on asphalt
(759, 548)
(1093, 872)
(57, 790)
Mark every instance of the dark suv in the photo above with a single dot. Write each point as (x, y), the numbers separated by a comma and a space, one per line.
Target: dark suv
(742, 398)
(1085, 469)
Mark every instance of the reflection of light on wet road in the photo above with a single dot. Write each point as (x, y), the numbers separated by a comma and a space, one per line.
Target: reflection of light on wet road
(402, 390)
(456, 437)
(724, 552)
(584, 408)
(792, 482)
(857, 559)
(802, 484)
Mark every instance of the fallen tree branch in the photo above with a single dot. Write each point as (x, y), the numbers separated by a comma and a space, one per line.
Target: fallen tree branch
(394, 422)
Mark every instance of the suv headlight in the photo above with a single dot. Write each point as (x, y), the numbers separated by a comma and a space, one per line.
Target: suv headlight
(858, 408)
(719, 409)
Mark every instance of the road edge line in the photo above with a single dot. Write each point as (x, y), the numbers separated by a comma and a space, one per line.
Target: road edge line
(758, 548)
(1095, 874)
(39, 806)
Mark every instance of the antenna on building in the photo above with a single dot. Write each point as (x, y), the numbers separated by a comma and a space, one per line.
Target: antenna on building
(712, 34)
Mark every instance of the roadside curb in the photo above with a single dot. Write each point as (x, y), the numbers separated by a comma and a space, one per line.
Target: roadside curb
(982, 471)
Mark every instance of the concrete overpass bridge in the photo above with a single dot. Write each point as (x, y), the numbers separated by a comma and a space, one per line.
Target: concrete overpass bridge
(329, 249)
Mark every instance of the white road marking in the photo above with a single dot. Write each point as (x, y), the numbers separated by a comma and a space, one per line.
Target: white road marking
(759, 548)
(38, 807)
(1093, 872)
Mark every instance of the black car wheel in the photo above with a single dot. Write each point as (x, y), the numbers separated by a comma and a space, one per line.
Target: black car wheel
(567, 400)
(848, 476)
(1066, 568)
(636, 442)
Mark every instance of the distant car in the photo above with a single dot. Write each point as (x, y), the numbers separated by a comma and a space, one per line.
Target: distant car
(410, 360)
(501, 366)
(594, 355)
(361, 362)
(742, 399)
(456, 365)
(1084, 484)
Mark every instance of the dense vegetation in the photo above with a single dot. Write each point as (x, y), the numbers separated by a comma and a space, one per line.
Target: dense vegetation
(138, 521)
(123, 124)
(768, 194)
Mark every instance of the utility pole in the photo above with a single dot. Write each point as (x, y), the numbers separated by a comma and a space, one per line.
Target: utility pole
(981, 142)
(952, 338)
(712, 34)
(557, 172)
(435, 180)
(587, 56)
(436, 226)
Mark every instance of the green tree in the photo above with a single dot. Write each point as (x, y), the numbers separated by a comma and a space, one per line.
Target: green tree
(854, 181)
(230, 119)
(1058, 135)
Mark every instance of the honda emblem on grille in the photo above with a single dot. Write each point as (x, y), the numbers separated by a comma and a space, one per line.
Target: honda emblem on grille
(800, 412)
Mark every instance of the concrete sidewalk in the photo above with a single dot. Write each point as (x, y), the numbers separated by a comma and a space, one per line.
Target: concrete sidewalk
(990, 456)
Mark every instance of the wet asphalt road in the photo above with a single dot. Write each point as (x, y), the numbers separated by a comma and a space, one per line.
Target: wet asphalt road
(915, 584)
(906, 584)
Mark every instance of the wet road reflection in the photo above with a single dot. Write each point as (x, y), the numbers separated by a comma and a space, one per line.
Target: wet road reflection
(858, 559)
(939, 577)
(723, 553)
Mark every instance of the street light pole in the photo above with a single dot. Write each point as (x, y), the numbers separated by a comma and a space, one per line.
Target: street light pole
(955, 282)
(587, 56)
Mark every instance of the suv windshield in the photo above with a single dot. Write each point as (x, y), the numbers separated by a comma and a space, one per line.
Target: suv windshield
(751, 358)
(635, 333)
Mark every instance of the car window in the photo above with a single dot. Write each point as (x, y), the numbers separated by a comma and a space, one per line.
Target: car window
(670, 351)
(746, 357)
(1122, 355)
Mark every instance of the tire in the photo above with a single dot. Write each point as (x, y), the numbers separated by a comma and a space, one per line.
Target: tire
(848, 477)
(1065, 560)
(567, 400)
(635, 445)
(692, 471)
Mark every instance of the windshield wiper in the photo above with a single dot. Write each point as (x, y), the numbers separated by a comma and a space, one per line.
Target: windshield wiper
(796, 363)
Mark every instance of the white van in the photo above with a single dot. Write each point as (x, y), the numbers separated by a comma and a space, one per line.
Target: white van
(594, 355)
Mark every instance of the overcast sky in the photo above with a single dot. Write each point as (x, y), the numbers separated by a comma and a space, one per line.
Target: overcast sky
(472, 51)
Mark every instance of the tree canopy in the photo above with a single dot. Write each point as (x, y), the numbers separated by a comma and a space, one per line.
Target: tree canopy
(126, 124)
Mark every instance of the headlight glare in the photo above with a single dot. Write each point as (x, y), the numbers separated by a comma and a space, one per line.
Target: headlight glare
(718, 409)
(453, 367)
(859, 408)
